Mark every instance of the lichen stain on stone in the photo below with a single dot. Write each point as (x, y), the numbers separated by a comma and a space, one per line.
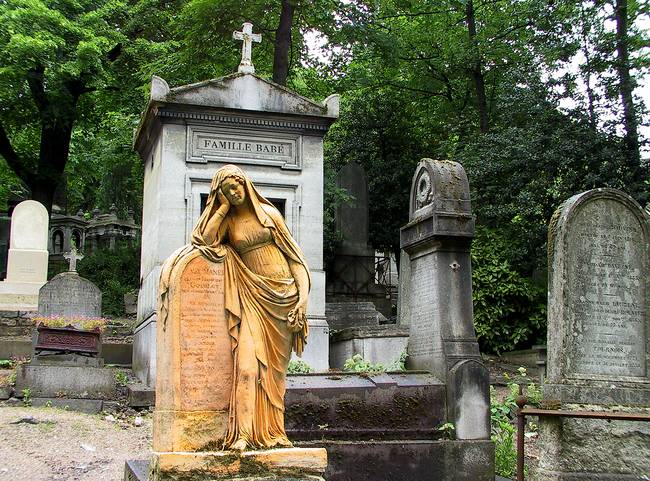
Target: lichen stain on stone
(307, 415)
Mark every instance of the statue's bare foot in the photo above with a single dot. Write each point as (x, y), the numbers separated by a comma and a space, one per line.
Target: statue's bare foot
(239, 445)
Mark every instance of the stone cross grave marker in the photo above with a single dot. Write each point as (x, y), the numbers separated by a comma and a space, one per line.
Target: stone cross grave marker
(247, 37)
(72, 257)
(598, 338)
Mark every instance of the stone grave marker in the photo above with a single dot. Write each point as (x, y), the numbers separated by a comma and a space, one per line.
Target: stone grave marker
(598, 338)
(70, 295)
(194, 384)
(442, 340)
(27, 259)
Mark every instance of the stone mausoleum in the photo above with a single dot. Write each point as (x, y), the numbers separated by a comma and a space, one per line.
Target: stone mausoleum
(186, 134)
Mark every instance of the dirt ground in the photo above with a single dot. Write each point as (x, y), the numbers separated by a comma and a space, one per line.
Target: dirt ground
(47, 444)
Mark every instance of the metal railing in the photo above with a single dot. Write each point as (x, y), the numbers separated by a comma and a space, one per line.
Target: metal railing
(522, 412)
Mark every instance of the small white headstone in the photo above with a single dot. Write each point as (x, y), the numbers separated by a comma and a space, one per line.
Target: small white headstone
(28, 256)
(29, 226)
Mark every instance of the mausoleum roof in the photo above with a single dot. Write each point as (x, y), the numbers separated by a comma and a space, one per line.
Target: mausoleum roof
(246, 93)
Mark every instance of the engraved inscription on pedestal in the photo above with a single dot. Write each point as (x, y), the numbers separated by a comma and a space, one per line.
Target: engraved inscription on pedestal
(206, 361)
(425, 340)
(606, 292)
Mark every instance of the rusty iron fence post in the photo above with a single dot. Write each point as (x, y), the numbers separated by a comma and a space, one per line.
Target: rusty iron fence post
(521, 425)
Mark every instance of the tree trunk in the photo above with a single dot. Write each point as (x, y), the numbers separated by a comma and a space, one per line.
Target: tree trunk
(626, 88)
(476, 71)
(283, 44)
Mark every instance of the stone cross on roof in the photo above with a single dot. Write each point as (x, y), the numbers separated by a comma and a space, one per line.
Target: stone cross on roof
(72, 257)
(248, 37)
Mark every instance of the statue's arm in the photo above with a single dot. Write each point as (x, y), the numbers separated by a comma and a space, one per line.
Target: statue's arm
(216, 229)
(301, 277)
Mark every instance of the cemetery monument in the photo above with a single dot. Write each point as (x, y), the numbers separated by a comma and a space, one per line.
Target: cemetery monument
(27, 260)
(67, 368)
(187, 134)
(598, 338)
(232, 307)
(442, 340)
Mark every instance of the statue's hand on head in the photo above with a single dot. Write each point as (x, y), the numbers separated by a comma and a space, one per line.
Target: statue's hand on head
(223, 200)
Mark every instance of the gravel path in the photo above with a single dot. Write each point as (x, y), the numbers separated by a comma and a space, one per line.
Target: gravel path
(47, 444)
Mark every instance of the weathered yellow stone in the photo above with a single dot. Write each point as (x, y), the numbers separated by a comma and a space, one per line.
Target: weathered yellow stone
(226, 464)
(189, 430)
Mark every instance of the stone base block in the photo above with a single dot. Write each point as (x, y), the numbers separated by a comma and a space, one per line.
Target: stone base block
(67, 360)
(289, 463)
(66, 381)
(19, 296)
(140, 395)
(377, 344)
(316, 352)
(6, 392)
(573, 449)
(179, 431)
(423, 460)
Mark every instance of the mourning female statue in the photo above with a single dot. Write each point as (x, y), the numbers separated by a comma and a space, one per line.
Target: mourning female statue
(266, 287)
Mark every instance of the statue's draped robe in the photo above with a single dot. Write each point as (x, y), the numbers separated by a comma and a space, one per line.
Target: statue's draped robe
(259, 294)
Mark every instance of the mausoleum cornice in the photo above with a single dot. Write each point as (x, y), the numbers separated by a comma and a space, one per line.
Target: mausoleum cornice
(242, 100)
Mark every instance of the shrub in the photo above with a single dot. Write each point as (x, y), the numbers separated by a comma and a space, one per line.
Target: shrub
(358, 364)
(298, 367)
(509, 309)
(115, 272)
(502, 419)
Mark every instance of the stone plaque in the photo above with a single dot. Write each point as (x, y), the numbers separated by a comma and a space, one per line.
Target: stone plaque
(194, 359)
(205, 351)
(70, 295)
(598, 295)
(425, 342)
(208, 145)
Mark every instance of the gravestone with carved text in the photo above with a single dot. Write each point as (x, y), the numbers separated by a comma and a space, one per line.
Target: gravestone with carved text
(438, 289)
(194, 387)
(187, 133)
(598, 338)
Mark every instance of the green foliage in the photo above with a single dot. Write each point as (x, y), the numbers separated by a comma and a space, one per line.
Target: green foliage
(115, 273)
(6, 364)
(509, 310)
(27, 397)
(81, 323)
(400, 363)
(298, 366)
(502, 418)
(358, 364)
(121, 378)
(447, 430)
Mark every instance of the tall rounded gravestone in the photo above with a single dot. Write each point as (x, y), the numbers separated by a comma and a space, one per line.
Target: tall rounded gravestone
(598, 338)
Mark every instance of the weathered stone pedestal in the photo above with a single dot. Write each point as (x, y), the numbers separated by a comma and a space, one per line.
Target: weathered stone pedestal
(297, 464)
(598, 339)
